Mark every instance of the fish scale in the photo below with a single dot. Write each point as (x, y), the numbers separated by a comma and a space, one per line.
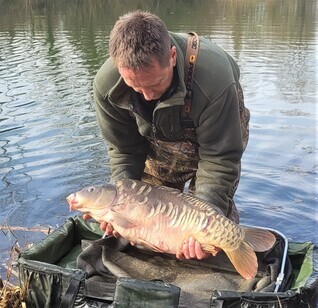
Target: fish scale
(176, 219)
(217, 231)
(162, 218)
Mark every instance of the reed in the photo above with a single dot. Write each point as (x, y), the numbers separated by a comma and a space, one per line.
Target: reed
(11, 295)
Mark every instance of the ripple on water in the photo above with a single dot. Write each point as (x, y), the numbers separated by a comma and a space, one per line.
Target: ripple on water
(50, 135)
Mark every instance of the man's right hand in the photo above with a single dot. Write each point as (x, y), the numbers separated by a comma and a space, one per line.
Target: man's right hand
(104, 226)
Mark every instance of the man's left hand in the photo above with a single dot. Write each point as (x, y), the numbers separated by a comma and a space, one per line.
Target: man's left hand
(191, 249)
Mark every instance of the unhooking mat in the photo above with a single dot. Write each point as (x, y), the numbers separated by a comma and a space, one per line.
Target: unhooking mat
(74, 267)
(107, 259)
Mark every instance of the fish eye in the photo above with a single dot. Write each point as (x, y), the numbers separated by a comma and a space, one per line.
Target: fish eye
(90, 189)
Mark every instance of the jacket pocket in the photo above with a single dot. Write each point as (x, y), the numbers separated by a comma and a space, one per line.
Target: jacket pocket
(168, 124)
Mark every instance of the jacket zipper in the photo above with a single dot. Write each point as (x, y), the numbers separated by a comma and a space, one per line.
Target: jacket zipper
(171, 123)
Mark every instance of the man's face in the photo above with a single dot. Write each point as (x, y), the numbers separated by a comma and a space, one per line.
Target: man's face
(152, 82)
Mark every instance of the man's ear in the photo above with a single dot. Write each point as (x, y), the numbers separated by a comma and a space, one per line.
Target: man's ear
(173, 55)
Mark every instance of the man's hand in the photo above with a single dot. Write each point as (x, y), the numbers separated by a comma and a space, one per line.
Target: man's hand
(104, 226)
(109, 229)
(191, 249)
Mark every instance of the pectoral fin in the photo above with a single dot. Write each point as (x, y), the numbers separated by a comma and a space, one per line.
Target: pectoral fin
(121, 221)
(149, 246)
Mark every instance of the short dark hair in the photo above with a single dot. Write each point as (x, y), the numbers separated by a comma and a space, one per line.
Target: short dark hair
(137, 38)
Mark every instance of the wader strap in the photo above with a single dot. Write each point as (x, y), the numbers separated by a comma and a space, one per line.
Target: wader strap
(190, 60)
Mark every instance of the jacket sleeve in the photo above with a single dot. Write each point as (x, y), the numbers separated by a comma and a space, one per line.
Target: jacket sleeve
(220, 149)
(126, 147)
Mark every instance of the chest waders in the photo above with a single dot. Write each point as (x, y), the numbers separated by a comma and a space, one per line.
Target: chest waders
(173, 163)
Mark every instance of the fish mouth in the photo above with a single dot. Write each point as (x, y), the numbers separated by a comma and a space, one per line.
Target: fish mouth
(72, 201)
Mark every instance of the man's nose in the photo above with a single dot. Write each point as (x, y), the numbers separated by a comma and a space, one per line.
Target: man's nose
(148, 94)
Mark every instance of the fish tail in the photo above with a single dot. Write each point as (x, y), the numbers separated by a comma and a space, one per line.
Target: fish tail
(244, 260)
(259, 239)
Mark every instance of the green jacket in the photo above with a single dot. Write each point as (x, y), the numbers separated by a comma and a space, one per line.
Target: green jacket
(215, 114)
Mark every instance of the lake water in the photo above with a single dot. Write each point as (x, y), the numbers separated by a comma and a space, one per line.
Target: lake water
(50, 144)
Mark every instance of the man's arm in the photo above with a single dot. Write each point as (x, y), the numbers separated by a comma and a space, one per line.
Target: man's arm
(127, 149)
(220, 149)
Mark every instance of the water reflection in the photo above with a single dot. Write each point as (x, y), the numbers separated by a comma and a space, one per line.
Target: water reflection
(50, 144)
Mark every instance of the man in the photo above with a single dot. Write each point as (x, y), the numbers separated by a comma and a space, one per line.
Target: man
(139, 96)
